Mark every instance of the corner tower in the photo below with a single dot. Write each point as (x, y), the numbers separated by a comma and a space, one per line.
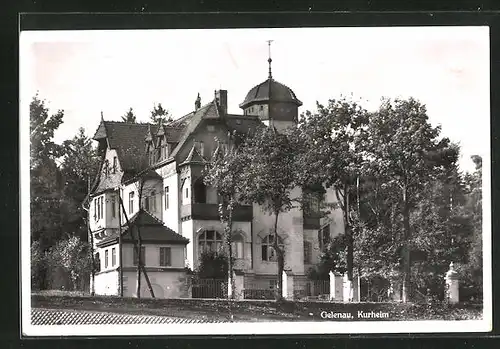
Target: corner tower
(274, 103)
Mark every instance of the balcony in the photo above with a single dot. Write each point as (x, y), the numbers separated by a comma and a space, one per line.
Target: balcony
(311, 221)
(207, 212)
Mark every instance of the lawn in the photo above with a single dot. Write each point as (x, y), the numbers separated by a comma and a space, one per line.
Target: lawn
(251, 310)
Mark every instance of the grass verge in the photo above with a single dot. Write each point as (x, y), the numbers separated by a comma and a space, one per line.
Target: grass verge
(253, 310)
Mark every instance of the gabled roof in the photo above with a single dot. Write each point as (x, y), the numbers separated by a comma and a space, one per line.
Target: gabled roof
(152, 231)
(207, 111)
(194, 157)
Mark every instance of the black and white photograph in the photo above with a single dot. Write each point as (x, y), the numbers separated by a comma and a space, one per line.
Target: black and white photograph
(255, 181)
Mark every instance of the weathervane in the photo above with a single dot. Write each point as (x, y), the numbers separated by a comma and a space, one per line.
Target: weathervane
(269, 59)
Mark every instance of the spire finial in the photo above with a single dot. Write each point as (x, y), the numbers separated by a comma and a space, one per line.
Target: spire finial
(102, 116)
(269, 60)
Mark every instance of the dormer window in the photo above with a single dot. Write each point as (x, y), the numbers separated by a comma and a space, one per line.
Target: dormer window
(106, 168)
(115, 164)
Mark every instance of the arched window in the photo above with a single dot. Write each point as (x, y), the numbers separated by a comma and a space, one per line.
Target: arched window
(209, 241)
(237, 246)
(268, 252)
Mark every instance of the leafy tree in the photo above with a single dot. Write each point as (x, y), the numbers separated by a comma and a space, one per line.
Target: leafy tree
(160, 115)
(38, 263)
(71, 253)
(401, 144)
(270, 178)
(213, 265)
(46, 184)
(78, 169)
(224, 173)
(332, 155)
(129, 117)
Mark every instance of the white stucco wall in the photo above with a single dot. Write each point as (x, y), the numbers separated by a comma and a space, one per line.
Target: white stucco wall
(170, 215)
(106, 283)
(169, 284)
(290, 228)
(152, 252)
(187, 231)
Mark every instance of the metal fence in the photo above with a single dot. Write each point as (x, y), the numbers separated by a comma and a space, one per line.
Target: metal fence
(305, 289)
(209, 288)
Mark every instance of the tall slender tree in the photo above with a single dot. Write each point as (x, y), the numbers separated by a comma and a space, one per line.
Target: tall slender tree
(224, 173)
(270, 179)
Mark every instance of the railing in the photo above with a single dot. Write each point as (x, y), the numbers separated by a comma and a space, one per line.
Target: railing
(311, 221)
(209, 288)
(304, 289)
(243, 213)
(259, 290)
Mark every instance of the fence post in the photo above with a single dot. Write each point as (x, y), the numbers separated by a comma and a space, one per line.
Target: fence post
(287, 291)
(239, 284)
(452, 283)
(332, 286)
(347, 287)
(356, 289)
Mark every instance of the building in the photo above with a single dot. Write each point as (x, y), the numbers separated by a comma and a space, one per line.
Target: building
(180, 211)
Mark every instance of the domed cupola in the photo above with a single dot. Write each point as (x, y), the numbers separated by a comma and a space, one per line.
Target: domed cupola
(273, 102)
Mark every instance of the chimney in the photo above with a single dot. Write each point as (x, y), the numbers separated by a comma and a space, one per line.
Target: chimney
(221, 98)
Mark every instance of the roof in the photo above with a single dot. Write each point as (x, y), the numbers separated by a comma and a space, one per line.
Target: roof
(152, 230)
(194, 157)
(242, 124)
(270, 90)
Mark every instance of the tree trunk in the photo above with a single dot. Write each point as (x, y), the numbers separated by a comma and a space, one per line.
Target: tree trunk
(280, 257)
(229, 229)
(348, 233)
(406, 248)
(139, 264)
(137, 250)
(120, 248)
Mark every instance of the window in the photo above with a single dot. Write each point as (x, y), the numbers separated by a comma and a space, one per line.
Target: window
(97, 261)
(272, 284)
(131, 202)
(261, 108)
(166, 197)
(165, 256)
(95, 209)
(143, 255)
(237, 246)
(106, 255)
(106, 167)
(307, 252)
(115, 164)
(324, 237)
(209, 241)
(113, 207)
(113, 256)
(152, 201)
(200, 147)
(187, 193)
(102, 206)
(268, 252)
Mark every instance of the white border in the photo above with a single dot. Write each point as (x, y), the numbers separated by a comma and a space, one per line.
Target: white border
(264, 328)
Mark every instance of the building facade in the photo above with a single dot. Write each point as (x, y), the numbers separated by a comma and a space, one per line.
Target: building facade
(169, 160)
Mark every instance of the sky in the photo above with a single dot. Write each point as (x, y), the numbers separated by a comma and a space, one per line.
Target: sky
(89, 72)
